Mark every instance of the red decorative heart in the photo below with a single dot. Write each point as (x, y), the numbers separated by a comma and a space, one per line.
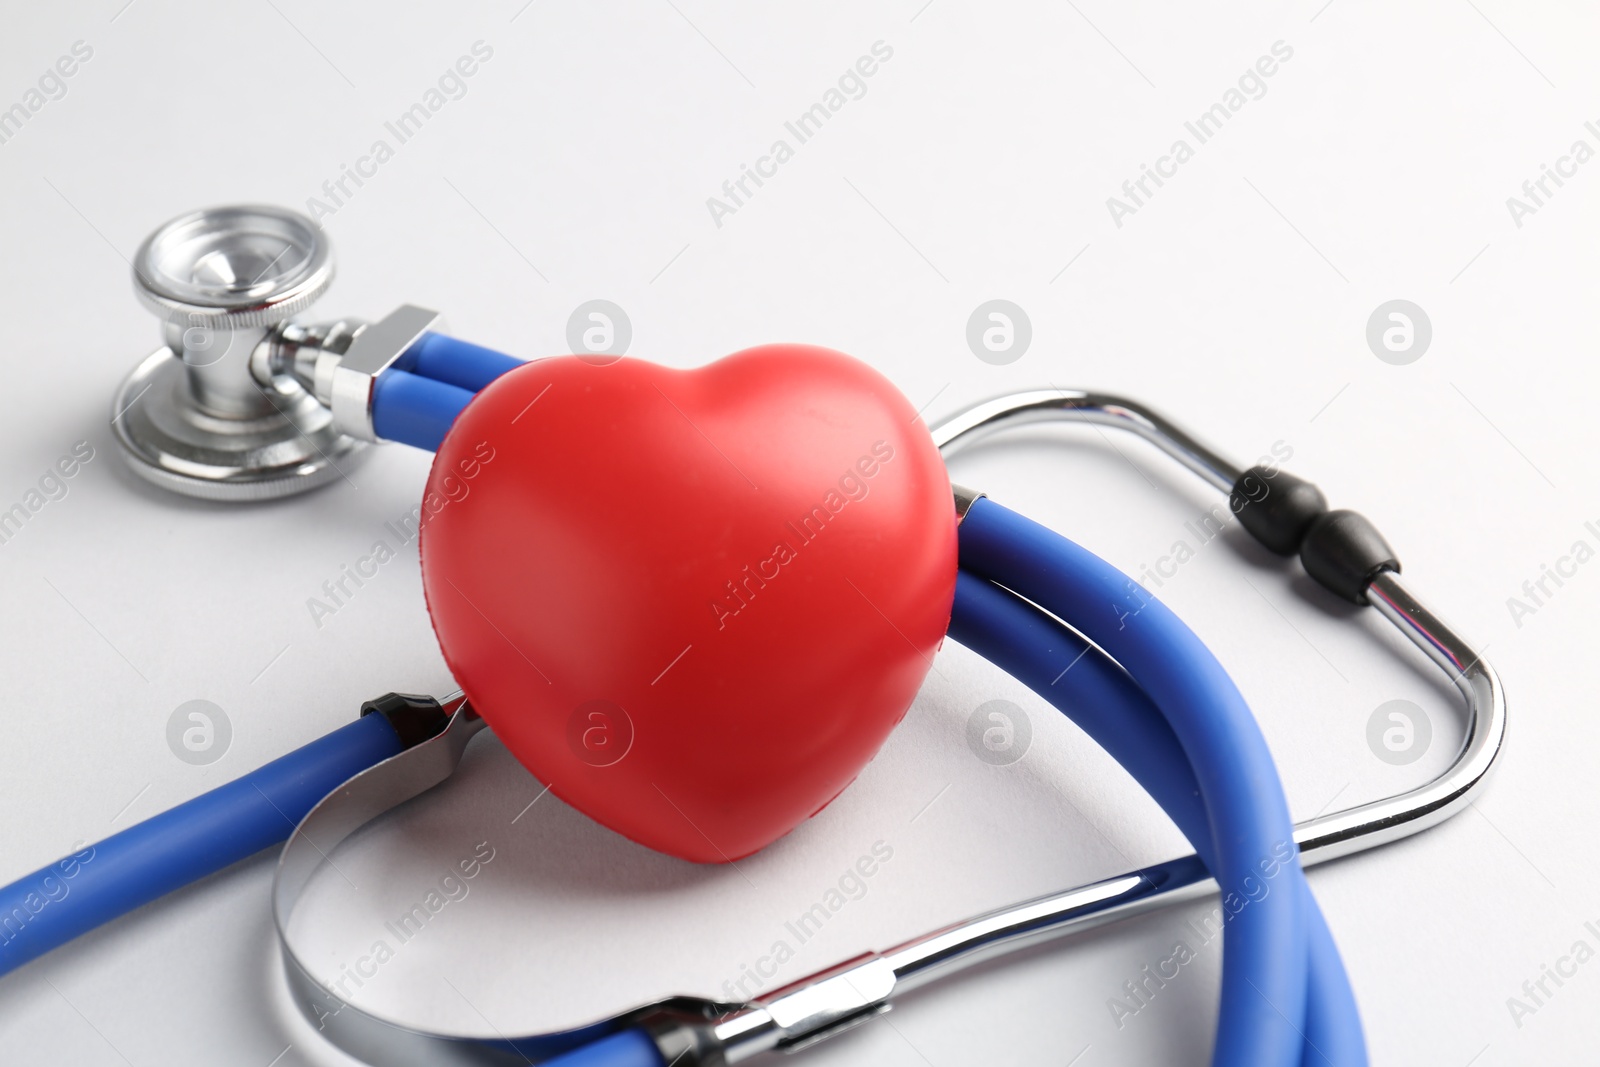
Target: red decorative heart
(693, 603)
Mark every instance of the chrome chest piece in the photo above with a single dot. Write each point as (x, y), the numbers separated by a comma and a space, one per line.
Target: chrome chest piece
(242, 402)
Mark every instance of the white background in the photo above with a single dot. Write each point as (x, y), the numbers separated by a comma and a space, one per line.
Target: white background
(1376, 166)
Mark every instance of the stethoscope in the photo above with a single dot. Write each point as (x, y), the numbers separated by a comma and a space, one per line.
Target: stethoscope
(244, 402)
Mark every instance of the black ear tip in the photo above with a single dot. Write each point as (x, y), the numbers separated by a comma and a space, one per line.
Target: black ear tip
(1276, 507)
(1344, 552)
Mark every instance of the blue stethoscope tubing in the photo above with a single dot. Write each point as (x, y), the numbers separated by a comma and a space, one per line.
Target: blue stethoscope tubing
(1175, 721)
(416, 402)
(180, 846)
(1155, 699)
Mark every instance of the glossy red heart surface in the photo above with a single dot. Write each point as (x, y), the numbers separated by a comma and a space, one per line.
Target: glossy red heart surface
(692, 603)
